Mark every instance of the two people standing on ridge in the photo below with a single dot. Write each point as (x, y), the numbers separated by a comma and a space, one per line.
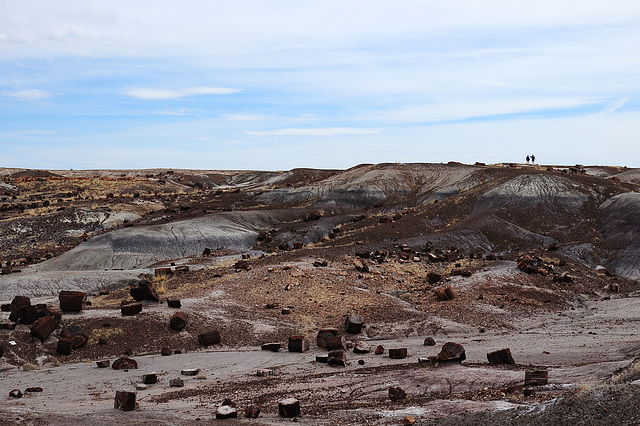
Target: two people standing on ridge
(532, 158)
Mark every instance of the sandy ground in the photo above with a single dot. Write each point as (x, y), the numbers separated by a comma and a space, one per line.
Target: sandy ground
(580, 347)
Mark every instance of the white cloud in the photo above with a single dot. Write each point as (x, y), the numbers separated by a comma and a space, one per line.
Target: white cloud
(154, 94)
(29, 95)
(614, 106)
(247, 117)
(326, 131)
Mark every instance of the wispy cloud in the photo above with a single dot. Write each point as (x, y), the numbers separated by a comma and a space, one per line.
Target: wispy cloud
(154, 94)
(614, 106)
(29, 95)
(247, 117)
(326, 131)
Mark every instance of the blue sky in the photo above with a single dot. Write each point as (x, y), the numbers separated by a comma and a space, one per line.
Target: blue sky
(329, 84)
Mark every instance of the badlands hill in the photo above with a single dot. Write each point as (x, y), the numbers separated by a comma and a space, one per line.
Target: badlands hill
(541, 259)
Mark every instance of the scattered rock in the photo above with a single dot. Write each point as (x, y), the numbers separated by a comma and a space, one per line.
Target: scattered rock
(353, 324)
(165, 351)
(433, 277)
(396, 393)
(298, 344)
(429, 341)
(320, 263)
(273, 347)
(399, 353)
(77, 334)
(73, 301)
(64, 346)
(176, 383)
(125, 401)
(226, 412)
(15, 393)
(444, 293)
(252, 412)
(503, 356)
(289, 408)
(190, 372)
(43, 327)
(337, 358)
(103, 364)
(360, 265)
(209, 338)
(150, 379)
(178, 321)
(174, 303)
(131, 309)
(124, 363)
(34, 389)
(145, 291)
(379, 350)
(361, 348)
(536, 378)
(450, 352)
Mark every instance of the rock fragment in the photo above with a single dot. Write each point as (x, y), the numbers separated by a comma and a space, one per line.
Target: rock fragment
(252, 412)
(536, 378)
(273, 347)
(450, 352)
(209, 338)
(353, 324)
(176, 383)
(178, 321)
(103, 364)
(43, 327)
(289, 408)
(226, 412)
(396, 393)
(444, 293)
(73, 301)
(131, 309)
(298, 344)
(429, 341)
(124, 363)
(125, 400)
(337, 358)
(503, 356)
(399, 353)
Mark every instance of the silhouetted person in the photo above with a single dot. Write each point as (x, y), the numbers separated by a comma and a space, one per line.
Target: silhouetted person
(533, 158)
(527, 159)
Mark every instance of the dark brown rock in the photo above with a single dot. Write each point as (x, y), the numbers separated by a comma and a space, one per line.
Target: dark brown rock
(399, 353)
(174, 303)
(536, 378)
(178, 321)
(209, 338)
(337, 358)
(429, 341)
(15, 393)
(144, 291)
(125, 401)
(503, 356)
(33, 389)
(124, 363)
(77, 334)
(252, 412)
(176, 383)
(433, 277)
(331, 341)
(64, 346)
(162, 272)
(353, 324)
(396, 393)
(360, 265)
(298, 344)
(226, 412)
(361, 348)
(289, 408)
(131, 309)
(43, 328)
(379, 350)
(72, 301)
(21, 301)
(450, 352)
(166, 351)
(103, 364)
(444, 293)
(150, 379)
(273, 347)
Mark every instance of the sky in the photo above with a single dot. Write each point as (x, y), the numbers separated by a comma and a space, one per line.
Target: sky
(275, 85)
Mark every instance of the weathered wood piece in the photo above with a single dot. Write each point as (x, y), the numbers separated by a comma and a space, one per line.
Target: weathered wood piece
(125, 400)
(536, 378)
(72, 301)
(178, 321)
(289, 408)
(45, 326)
(353, 324)
(298, 344)
(209, 338)
(503, 356)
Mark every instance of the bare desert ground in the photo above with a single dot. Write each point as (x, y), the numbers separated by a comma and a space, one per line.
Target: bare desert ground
(542, 261)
